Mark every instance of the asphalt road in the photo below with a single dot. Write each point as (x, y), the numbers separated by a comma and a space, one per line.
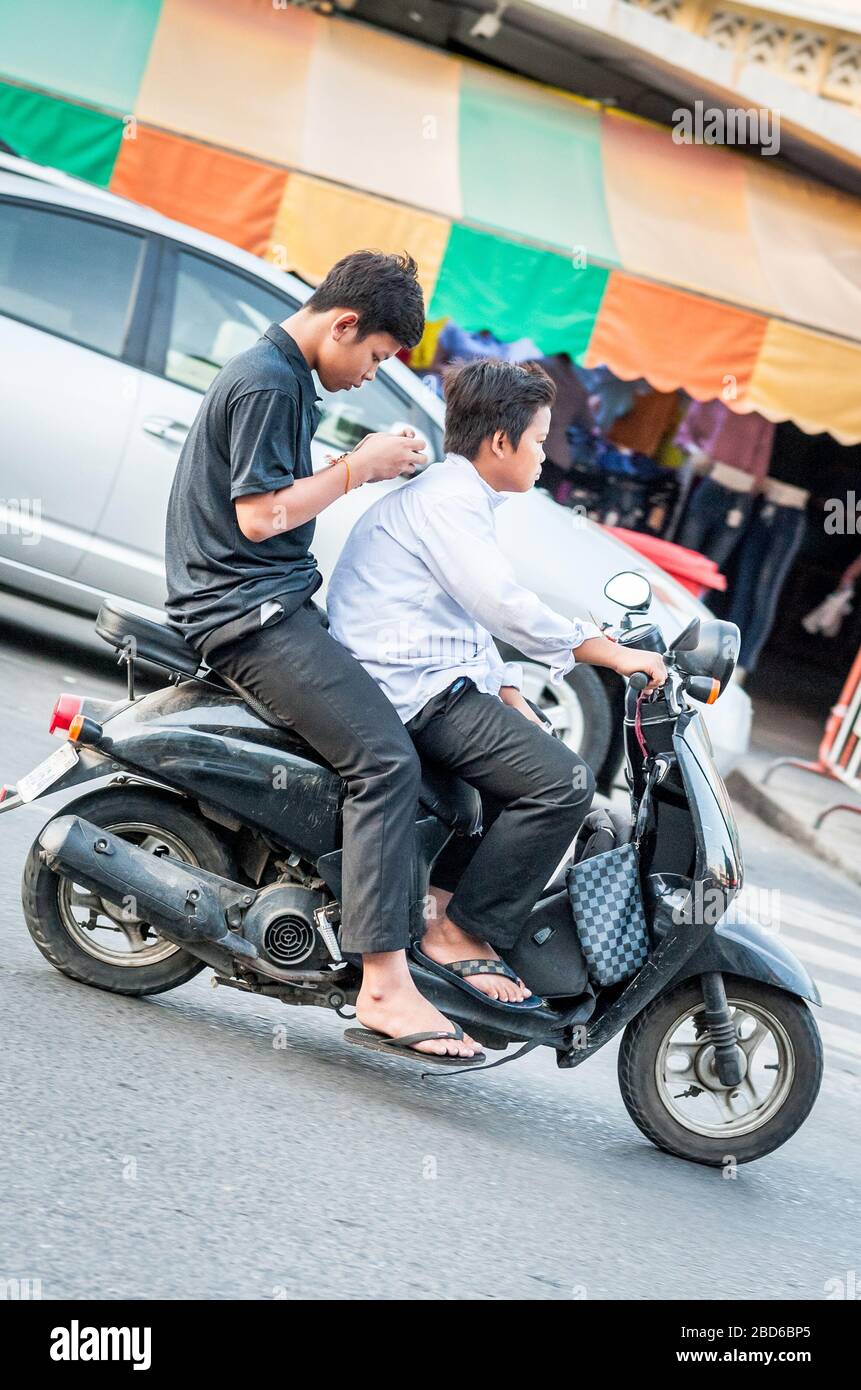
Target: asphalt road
(168, 1149)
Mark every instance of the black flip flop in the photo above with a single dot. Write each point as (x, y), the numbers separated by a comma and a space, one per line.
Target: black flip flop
(457, 973)
(401, 1047)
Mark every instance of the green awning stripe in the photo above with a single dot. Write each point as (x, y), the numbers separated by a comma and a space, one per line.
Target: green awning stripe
(59, 133)
(516, 291)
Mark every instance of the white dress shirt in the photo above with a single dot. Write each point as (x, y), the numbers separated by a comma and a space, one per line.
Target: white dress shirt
(422, 583)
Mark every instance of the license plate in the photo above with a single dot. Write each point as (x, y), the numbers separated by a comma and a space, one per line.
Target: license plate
(51, 770)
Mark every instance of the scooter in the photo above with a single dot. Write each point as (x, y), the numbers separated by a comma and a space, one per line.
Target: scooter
(216, 841)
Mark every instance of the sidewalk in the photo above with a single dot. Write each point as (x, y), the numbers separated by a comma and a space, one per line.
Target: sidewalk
(792, 799)
(818, 919)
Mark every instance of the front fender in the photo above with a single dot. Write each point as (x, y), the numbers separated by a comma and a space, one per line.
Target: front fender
(740, 947)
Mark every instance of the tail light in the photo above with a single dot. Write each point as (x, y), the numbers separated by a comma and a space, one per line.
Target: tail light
(64, 711)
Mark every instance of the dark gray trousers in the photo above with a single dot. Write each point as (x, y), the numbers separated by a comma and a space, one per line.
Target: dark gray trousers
(312, 684)
(535, 794)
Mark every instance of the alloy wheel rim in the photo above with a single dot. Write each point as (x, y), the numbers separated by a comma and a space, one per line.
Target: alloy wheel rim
(560, 703)
(685, 1064)
(143, 945)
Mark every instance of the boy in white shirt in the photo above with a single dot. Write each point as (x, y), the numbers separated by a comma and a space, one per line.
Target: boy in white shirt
(417, 592)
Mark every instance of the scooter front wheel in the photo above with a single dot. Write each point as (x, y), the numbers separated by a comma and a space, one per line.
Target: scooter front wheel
(672, 1090)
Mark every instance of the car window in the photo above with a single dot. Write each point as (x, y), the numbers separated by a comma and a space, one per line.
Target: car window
(378, 405)
(68, 275)
(216, 314)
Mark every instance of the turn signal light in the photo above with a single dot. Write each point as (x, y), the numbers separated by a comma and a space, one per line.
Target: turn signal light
(715, 691)
(84, 730)
(64, 711)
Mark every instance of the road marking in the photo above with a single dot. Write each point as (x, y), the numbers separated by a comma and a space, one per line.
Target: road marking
(840, 926)
(840, 1039)
(848, 1001)
(811, 952)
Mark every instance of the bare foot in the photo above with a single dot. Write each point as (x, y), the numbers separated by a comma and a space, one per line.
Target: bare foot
(398, 1009)
(445, 943)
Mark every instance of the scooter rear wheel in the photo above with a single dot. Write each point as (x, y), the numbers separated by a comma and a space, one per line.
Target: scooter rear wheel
(113, 949)
(672, 1091)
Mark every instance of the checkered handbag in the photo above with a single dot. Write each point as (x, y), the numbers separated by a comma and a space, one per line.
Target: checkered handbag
(604, 893)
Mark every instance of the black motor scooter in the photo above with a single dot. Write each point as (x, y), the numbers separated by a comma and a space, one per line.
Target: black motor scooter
(216, 841)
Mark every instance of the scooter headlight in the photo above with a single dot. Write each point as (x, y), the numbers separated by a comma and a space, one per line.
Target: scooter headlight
(716, 653)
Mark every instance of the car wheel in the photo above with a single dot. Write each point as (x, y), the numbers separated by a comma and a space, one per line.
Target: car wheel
(577, 707)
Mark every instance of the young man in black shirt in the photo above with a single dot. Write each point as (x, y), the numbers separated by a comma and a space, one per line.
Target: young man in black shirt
(240, 524)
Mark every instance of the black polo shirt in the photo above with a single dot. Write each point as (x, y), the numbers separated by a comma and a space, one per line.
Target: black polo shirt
(252, 434)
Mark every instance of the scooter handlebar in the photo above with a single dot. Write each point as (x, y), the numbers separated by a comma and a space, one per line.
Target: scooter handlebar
(638, 680)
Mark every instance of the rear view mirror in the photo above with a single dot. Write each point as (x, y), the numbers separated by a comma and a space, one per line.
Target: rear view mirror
(630, 590)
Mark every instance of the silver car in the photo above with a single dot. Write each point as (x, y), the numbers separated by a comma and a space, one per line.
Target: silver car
(113, 322)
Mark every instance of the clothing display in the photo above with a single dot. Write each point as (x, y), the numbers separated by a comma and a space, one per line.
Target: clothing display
(614, 397)
(456, 345)
(669, 453)
(643, 427)
(743, 442)
(571, 407)
(772, 540)
(774, 535)
(614, 485)
(737, 449)
(793, 455)
(420, 358)
(445, 342)
(715, 521)
(827, 617)
(613, 472)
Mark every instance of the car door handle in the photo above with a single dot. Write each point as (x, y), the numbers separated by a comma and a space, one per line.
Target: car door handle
(171, 431)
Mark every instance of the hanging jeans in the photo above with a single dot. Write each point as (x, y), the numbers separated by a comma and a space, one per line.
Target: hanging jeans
(772, 541)
(714, 520)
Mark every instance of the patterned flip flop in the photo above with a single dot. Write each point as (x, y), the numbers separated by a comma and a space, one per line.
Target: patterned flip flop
(458, 972)
(403, 1047)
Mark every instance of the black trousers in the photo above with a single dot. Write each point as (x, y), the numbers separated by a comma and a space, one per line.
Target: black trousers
(535, 794)
(312, 684)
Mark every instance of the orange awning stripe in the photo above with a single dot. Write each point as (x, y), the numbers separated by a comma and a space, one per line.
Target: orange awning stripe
(675, 339)
(224, 194)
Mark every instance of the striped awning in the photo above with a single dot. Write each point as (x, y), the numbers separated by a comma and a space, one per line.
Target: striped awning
(531, 213)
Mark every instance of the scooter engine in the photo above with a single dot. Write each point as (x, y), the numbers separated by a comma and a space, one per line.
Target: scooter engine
(282, 925)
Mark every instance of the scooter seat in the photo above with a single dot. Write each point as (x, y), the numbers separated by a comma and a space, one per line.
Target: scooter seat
(122, 627)
(455, 802)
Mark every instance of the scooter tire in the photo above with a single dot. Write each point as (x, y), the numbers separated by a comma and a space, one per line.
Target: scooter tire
(41, 889)
(638, 1080)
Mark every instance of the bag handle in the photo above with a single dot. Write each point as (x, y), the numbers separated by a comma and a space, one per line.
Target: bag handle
(654, 776)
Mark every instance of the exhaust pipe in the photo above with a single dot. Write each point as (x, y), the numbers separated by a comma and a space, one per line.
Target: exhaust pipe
(187, 903)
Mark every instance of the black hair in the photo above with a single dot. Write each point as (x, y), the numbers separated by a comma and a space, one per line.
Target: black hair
(383, 290)
(486, 396)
